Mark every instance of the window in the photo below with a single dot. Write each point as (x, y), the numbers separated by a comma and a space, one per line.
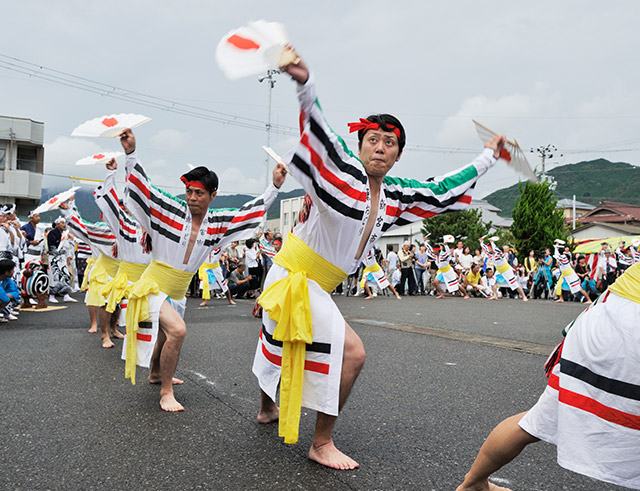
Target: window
(285, 219)
(27, 158)
(3, 155)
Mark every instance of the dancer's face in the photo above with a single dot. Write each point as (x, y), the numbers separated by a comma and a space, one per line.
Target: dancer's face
(379, 151)
(198, 200)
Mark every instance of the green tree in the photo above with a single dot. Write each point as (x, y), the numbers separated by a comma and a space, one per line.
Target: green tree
(536, 220)
(467, 223)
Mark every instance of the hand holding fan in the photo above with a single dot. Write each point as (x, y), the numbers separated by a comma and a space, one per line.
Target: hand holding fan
(254, 49)
(512, 152)
(276, 158)
(55, 201)
(99, 158)
(109, 126)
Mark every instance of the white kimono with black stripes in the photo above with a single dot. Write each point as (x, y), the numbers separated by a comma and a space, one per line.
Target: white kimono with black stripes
(334, 178)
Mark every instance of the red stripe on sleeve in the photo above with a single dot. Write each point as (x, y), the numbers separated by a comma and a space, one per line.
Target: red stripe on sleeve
(330, 177)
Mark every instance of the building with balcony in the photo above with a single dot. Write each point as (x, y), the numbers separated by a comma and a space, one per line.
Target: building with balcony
(21, 162)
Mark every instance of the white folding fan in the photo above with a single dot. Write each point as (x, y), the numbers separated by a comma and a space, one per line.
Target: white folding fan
(109, 126)
(512, 152)
(55, 201)
(254, 49)
(99, 158)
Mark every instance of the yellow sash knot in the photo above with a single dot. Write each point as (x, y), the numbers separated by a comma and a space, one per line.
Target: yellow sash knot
(103, 270)
(117, 289)
(157, 277)
(287, 303)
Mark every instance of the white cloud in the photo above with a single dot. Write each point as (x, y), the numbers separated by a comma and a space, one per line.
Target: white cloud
(169, 140)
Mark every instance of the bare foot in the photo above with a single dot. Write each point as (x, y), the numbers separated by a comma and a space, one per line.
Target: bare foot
(525, 299)
(156, 380)
(204, 304)
(328, 455)
(439, 297)
(107, 343)
(93, 329)
(117, 334)
(270, 416)
(466, 297)
(560, 300)
(168, 403)
(398, 297)
(231, 302)
(485, 486)
(368, 298)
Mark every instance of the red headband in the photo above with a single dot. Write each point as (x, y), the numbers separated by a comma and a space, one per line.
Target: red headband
(365, 124)
(193, 184)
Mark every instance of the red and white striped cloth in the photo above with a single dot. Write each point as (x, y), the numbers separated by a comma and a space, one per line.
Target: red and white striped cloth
(590, 408)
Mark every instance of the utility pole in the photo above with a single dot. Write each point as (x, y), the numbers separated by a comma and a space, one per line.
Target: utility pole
(271, 82)
(545, 152)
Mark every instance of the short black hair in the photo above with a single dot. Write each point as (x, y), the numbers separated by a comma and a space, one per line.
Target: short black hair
(201, 174)
(383, 120)
(6, 265)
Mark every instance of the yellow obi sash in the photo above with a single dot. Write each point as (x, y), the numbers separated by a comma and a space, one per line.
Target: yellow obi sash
(204, 278)
(287, 303)
(117, 288)
(444, 270)
(157, 277)
(501, 268)
(101, 273)
(85, 278)
(628, 285)
(365, 272)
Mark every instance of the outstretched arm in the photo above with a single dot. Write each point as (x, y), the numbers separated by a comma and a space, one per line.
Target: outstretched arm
(413, 200)
(226, 226)
(322, 162)
(154, 209)
(97, 234)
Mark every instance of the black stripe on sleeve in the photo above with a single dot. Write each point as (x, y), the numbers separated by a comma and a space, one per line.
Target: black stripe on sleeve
(345, 167)
(330, 200)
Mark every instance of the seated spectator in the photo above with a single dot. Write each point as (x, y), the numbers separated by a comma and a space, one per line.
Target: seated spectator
(488, 286)
(472, 282)
(240, 281)
(9, 292)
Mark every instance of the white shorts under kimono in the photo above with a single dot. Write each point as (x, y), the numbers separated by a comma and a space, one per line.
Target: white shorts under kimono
(147, 334)
(323, 365)
(590, 408)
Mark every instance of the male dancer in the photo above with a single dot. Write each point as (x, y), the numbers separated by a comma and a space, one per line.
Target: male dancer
(133, 259)
(504, 269)
(353, 204)
(181, 234)
(590, 408)
(568, 274)
(102, 242)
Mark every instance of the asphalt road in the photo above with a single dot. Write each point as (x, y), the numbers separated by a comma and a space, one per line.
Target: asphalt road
(439, 375)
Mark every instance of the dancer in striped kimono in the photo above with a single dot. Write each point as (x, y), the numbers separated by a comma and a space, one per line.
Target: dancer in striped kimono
(567, 274)
(635, 251)
(212, 278)
(100, 271)
(446, 277)
(590, 408)
(180, 234)
(305, 347)
(373, 275)
(503, 269)
(130, 247)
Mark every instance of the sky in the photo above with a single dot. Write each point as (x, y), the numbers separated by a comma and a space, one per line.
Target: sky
(543, 72)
